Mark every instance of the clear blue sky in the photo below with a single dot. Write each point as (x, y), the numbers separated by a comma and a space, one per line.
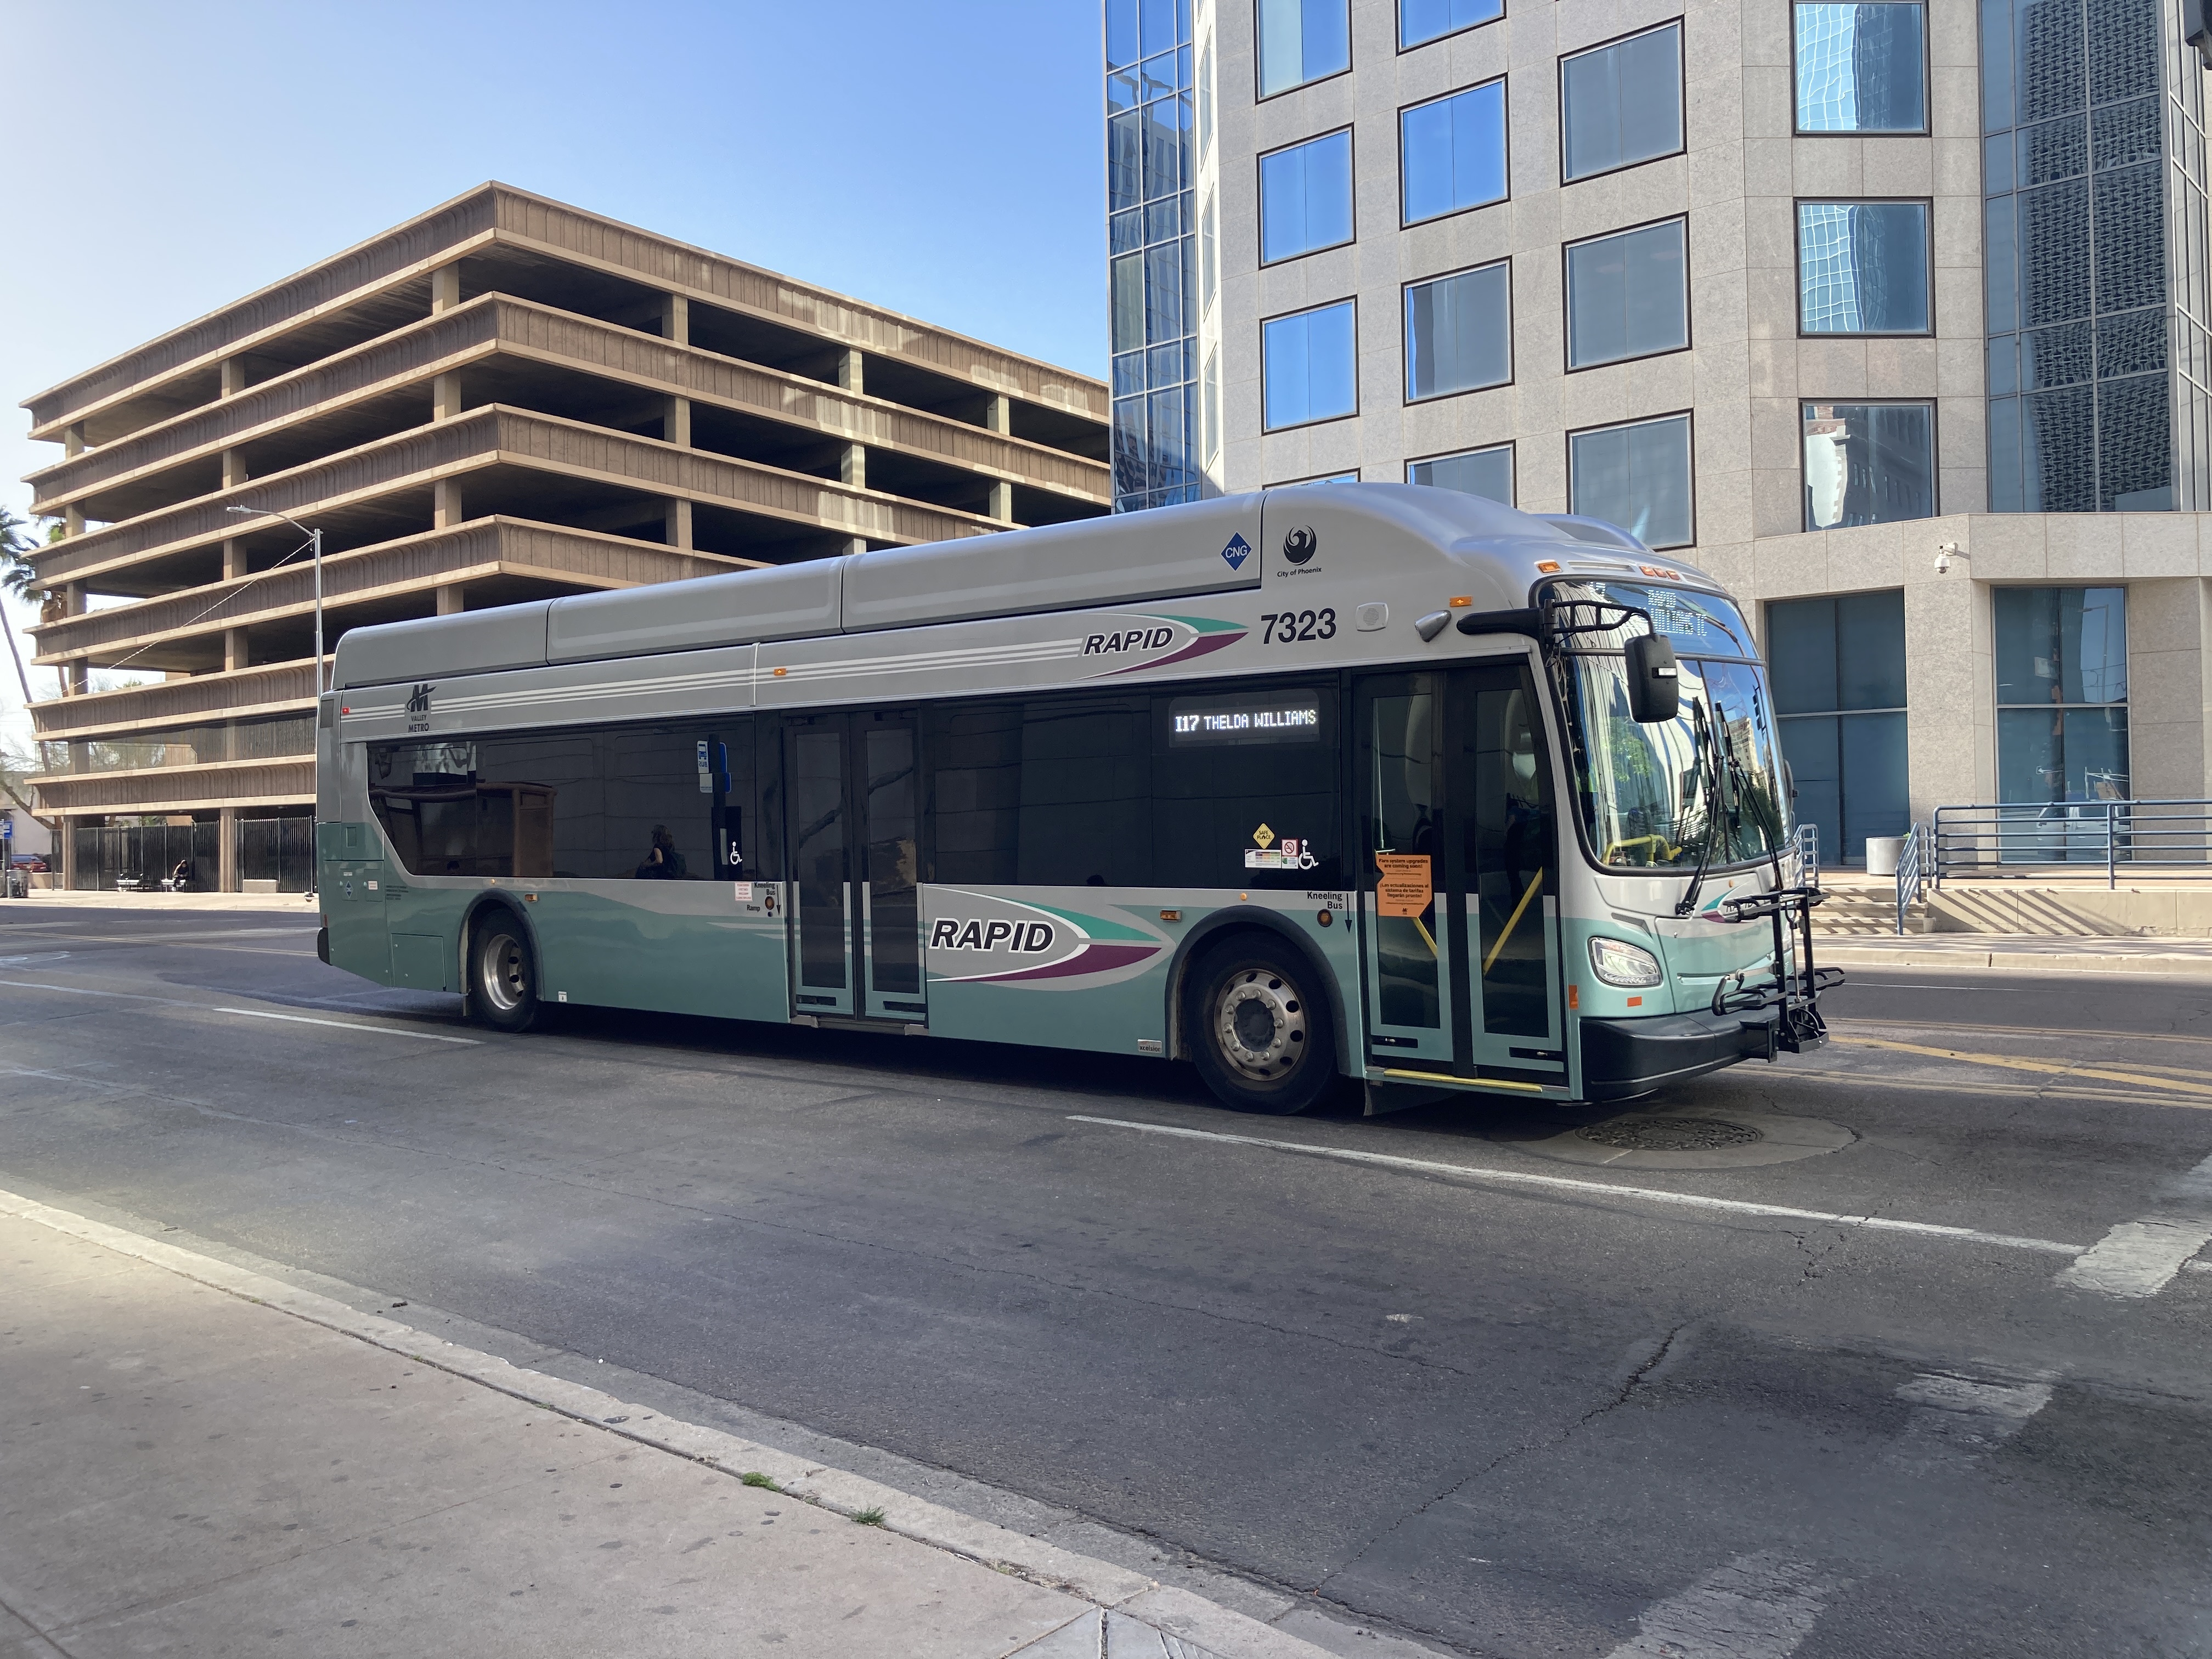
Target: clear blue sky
(944, 160)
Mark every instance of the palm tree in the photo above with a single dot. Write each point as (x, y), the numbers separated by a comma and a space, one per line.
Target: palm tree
(18, 577)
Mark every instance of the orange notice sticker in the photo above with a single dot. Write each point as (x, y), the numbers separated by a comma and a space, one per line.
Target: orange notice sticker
(1402, 888)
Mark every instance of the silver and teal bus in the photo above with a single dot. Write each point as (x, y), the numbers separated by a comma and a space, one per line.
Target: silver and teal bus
(1366, 781)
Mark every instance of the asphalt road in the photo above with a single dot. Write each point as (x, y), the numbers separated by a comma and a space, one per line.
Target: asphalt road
(1525, 1403)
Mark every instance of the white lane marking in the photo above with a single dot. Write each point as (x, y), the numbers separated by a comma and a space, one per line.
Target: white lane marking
(1960, 1418)
(1606, 1188)
(346, 1025)
(79, 991)
(1759, 1606)
(2140, 1258)
(248, 1013)
(2137, 1258)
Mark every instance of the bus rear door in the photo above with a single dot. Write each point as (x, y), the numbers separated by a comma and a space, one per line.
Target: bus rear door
(853, 826)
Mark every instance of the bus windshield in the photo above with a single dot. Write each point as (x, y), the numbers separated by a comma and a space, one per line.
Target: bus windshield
(1649, 798)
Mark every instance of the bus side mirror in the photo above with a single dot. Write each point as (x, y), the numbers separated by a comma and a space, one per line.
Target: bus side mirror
(1654, 686)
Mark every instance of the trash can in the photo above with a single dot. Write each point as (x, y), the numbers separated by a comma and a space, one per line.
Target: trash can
(1883, 852)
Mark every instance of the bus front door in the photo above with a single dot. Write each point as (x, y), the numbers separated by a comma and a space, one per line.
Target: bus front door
(1460, 878)
(852, 827)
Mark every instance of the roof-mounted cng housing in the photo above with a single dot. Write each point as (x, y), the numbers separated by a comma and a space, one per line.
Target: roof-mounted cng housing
(1127, 559)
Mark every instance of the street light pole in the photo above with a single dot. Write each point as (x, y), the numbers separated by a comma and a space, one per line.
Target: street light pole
(315, 541)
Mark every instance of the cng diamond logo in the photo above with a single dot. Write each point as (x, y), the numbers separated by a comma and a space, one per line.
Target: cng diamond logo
(1237, 552)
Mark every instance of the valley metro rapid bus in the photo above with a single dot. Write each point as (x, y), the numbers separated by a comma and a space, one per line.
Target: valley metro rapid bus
(1365, 780)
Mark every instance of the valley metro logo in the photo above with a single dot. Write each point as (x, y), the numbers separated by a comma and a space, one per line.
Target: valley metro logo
(1238, 551)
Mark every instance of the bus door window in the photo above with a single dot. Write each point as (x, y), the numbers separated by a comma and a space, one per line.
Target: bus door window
(890, 832)
(1510, 852)
(1404, 810)
(816, 776)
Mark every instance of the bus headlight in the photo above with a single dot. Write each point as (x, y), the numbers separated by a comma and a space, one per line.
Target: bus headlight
(1619, 963)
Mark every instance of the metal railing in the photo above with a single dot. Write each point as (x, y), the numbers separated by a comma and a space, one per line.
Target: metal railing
(2165, 839)
(1805, 855)
(1912, 865)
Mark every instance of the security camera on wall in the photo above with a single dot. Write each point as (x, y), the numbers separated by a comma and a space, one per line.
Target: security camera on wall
(1945, 552)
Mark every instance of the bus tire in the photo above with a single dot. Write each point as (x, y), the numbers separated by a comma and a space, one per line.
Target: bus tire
(1259, 1027)
(502, 971)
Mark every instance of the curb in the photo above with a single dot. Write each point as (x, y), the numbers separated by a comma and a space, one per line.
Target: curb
(2164, 964)
(1190, 1618)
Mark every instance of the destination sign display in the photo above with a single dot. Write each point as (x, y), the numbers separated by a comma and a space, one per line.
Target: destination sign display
(1284, 717)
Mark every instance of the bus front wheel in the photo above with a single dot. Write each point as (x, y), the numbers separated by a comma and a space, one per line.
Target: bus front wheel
(503, 969)
(1261, 1041)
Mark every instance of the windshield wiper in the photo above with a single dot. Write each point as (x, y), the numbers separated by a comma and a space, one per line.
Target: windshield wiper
(1713, 788)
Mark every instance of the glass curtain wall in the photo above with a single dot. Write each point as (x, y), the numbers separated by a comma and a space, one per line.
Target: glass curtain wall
(1151, 162)
(2093, 173)
(1839, 670)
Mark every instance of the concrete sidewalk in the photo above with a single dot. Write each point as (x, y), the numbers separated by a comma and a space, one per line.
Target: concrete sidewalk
(196, 1459)
(55, 898)
(2016, 952)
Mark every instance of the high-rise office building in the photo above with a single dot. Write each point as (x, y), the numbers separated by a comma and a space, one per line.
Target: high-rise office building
(505, 399)
(1807, 290)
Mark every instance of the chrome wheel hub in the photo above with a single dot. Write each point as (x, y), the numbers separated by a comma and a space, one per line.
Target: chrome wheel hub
(502, 978)
(1261, 1020)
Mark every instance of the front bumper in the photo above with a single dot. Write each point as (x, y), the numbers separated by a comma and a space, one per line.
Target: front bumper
(1624, 1058)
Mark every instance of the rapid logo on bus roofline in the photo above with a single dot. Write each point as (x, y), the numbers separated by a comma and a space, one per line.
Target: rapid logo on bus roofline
(1141, 641)
(986, 937)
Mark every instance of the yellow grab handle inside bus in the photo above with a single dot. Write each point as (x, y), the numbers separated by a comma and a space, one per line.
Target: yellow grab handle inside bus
(1512, 921)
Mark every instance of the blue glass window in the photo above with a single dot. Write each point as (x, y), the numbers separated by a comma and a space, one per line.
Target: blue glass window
(1302, 40)
(1167, 127)
(1486, 472)
(1862, 67)
(1162, 27)
(1627, 296)
(1838, 668)
(1863, 267)
(1126, 277)
(1420, 20)
(1163, 312)
(1125, 166)
(1452, 152)
(1306, 197)
(1459, 332)
(2062, 673)
(1311, 364)
(1867, 463)
(1121, 33)
(1621, 104)
(1636, 475)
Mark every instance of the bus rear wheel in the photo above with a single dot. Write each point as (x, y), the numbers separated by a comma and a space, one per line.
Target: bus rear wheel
(503, 973)
(1260, 1041)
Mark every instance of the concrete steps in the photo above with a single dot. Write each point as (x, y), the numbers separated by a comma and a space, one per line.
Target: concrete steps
(1854, 910)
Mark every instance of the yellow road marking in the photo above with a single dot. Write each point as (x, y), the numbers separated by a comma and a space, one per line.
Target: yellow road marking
(1841, 1025)
(1874, 1080)
(2019, 1063)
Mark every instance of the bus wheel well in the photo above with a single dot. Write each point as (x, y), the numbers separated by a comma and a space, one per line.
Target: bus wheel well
(1225, 925)
(476, 915)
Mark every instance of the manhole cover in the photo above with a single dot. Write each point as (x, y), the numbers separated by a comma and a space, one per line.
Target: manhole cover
(1669, 1134)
